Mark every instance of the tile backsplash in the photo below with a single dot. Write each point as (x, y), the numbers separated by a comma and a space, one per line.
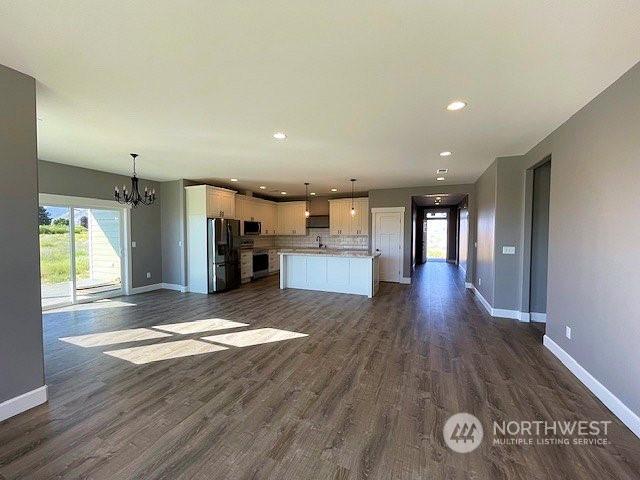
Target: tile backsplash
(339, 242)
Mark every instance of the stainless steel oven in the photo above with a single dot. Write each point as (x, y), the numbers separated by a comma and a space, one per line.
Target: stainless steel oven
(260, 263)
(252, 228)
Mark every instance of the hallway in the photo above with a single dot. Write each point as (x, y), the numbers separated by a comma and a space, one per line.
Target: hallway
(365, 394)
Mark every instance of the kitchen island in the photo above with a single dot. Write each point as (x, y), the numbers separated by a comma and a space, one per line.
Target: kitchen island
(339, 271)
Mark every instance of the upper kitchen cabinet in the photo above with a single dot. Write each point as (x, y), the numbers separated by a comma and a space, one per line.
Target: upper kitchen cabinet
(360, 221)
(221, 203)
(291, 218)
(257, 210)
(211, 202)
(341, 222)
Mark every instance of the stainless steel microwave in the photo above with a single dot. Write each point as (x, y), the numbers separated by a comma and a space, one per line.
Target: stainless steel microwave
(252, 228)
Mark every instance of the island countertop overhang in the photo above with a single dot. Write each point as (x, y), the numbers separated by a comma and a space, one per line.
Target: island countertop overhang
(328, 253)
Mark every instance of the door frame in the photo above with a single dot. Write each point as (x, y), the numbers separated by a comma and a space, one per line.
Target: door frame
(401, 211)
(72, 202)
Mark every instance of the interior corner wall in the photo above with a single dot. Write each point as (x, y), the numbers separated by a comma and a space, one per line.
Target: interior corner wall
(21, 351)
(508, 232)
(486, 191)
(60, 179)
(173, 233)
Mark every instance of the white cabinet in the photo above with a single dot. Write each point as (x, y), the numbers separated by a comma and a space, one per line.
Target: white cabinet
(291, 218)
(274, 260)
(360, 221)
(341, 222)
(270, 225)
(257, 210)
(202, 202)
(246, 265)
(220, 202)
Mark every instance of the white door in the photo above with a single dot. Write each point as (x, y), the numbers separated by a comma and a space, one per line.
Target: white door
(387, 239)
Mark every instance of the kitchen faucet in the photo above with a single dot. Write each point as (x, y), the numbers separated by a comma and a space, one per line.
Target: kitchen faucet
(319, 240)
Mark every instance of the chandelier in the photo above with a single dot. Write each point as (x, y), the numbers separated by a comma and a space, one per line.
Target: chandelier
(133, 197)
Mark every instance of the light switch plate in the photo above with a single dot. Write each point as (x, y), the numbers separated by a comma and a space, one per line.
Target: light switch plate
(506, 250)
(133, 244)
(567, 332)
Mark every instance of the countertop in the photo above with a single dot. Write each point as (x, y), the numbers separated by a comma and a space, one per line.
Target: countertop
(328, 252)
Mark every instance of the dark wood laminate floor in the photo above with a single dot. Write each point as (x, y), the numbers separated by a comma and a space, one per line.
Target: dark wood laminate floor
(365, 395)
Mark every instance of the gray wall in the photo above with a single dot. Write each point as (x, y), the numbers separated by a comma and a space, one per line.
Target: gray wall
(173, 232)
(59, 179)
(594, 267)
(540, 238)
(402, 197)
(486, 212)
(21, 356)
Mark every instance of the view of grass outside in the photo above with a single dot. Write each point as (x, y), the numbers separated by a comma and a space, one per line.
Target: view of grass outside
(54, 253)
(436, 232)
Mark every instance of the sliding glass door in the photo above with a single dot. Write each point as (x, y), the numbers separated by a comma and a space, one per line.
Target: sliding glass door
(55, 256)
(82, 255)
(98, 252)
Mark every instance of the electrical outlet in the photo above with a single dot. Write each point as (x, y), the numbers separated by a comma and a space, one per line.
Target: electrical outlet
(567, 332)
(148, 274)
(133, 244)
(508, 250)
(180, 243)
(479, 281)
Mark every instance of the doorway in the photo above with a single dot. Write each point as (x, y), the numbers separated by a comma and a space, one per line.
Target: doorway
(435, 233)
(82, 254)
(539, 242)
(388, 227)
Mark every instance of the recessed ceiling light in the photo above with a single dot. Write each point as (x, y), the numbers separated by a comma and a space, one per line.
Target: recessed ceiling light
(262, 187)
(283, 193)
(456, 105)
(334, 189)
(445, 153)
(280, 136)
(312, 193)
(440, 179)
(234, 179)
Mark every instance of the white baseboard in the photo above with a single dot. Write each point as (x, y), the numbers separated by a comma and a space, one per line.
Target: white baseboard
(497, 312)
(146, 288)
(483, 300)
(22, 403)
(525, 317)
(405, 280)
(503, 313)
(464, 270)
(613, 403)
(174, 286)
(538, 317)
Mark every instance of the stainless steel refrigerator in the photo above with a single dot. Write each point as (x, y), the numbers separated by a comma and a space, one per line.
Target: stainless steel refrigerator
(223, 254)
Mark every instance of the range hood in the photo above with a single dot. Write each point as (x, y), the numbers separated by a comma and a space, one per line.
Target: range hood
(318, 221)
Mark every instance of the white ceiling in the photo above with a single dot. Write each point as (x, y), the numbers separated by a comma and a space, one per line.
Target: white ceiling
(198, 88)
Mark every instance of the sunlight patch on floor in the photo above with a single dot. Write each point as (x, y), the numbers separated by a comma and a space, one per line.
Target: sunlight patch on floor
(198, 326)
(115, 337)
(164, 351)
(254, 337)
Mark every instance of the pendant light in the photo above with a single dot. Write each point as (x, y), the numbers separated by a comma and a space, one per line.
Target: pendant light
(306, 199)
(353, 208)
(134, 197)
